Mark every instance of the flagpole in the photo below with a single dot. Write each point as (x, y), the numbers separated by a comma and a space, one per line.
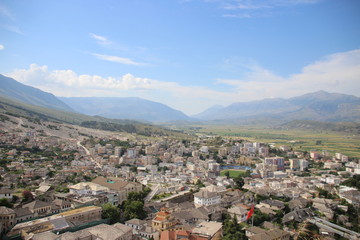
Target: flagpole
(252, 219)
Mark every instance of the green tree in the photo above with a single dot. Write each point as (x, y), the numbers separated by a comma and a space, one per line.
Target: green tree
(111, 212)
(200, 184)
(50, 174)
(4, 202)
(232, 229)
(260, 217)
(239, 182)
(354, 181)
(134, 209)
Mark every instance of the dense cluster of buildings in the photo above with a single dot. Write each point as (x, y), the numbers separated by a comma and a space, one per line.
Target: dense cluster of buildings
(69, 179)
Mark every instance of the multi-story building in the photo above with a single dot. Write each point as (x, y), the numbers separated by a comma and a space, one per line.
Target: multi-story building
(275, 161)
(164, 221)
(208, 230)
(206, 198)
(121, 187)
(58, 222)
(314, 155)
(298, 164)
(6, 193)
(7, 219)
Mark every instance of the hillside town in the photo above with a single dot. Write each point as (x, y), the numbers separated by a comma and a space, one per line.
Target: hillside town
(60, 181)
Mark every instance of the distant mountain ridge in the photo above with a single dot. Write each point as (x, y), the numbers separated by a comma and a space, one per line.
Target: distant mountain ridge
(15, 90)
(125, 108)
(317, 106)
(9, 107)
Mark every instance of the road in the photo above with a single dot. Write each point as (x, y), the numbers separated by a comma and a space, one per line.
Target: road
(88, 154)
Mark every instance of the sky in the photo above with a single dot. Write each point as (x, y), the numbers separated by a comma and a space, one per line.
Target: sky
(187, 54)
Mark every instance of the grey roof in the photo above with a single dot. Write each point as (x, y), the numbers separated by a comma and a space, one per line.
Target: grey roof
(61, 202)
(269, 225)
(5, 210)
(298, 203)
(22, 212)
(45, 236)
(135, 221)
(5, 191)
(275, 203)
(82, 234)
(60, 223)
(270, 235)
(193, 213)
(36, 204)
(101, 231)
(298, 215)
(255, 230)
(206, 194)
(237, 210)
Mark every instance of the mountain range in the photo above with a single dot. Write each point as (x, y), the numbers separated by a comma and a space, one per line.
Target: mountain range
(316, 106)
(125, 108)
(12, 89)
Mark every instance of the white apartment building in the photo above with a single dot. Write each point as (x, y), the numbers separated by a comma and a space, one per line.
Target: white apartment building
(206, 198)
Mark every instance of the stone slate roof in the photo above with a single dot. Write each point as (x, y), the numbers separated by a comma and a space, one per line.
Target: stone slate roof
(36, 204)
(22, 212)
(135, 221)
(298, 203)
(206, 194)
(5, 191)
(275, 203)
(269, 235)
(298, 215)
(5, 210)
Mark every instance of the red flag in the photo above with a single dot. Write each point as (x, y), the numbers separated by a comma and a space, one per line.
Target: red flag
(250, 212)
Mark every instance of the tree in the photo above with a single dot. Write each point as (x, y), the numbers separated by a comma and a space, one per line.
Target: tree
(5, 202)
(239, 181)
(111, 212)
(50, 174)
(200, 184)
(27, 195)
(134, 209)
(227, 174)
(354, 181)
(232, 230)
(260, 217)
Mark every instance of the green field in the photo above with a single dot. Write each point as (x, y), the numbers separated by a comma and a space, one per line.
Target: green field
(233, 173)
(304, 140)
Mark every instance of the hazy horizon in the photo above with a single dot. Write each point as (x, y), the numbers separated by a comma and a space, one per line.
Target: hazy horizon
(187, 54)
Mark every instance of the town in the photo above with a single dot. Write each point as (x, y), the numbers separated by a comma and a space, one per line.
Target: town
(61, 181)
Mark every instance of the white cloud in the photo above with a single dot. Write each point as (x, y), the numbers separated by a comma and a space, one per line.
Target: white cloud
(2, 47)
(117, 59)
(100, 39)
(338, 72)
(257, 8)
(11, 28)
(261, 4)
(191, 99)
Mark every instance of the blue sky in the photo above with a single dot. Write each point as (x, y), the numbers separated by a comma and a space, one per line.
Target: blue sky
(188, 54)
